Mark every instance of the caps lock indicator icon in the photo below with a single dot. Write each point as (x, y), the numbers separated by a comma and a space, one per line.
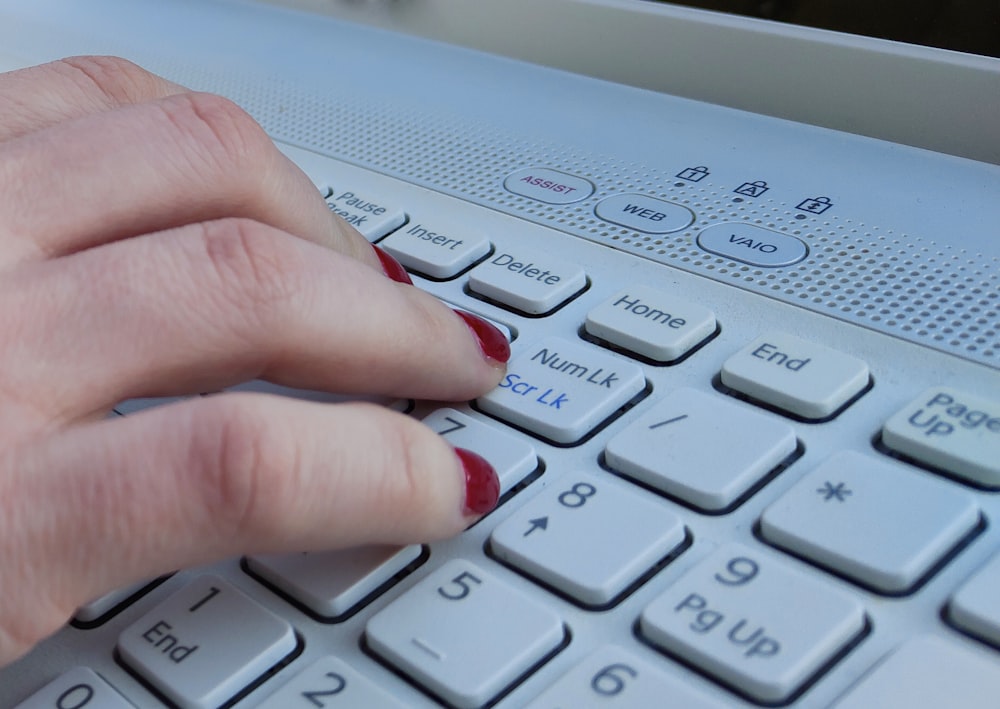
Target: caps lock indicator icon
(752, 189)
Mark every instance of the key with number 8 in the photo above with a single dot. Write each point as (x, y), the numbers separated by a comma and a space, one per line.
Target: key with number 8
(590, 538)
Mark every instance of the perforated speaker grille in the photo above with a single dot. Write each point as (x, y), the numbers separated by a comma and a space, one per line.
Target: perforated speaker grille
(900, 284)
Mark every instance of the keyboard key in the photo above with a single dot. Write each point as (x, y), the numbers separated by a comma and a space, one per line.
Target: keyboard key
(928, 673)
(205, 643)
(547, 185)
(651, 323)
(614, 678)
(563, 390)
(756, 624)
(513, 458)
(952, 430)
(331, 584)
(675, 448)
(876, 522)
(797, 376)
(80, 687)
(590, 537)
(330, 683)
(368, 214)
(134, 406)
(975, 607)
(259, 386)
(435, 250)
(464, 634)
(748, 243)
(532, 283)
(93, 611)
(642, 213)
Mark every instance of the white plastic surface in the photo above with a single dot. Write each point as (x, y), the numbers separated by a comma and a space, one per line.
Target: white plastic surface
(907, 250)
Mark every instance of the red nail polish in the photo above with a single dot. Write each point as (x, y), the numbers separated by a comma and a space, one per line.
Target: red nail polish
(492, 342)
(393, 269)
(482, 486)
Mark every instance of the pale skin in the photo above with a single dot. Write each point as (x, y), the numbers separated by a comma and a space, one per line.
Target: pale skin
(154, 242)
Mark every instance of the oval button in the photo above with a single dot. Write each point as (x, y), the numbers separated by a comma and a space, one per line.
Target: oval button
(645, 214)
(753, 245)
(545, 185)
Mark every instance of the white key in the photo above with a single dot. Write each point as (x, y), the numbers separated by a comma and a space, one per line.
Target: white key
(435, 250)
(701, 448)
(205, 643)
(975, 607)
(531, 282)
(513, 458)
(134, 406)
(952, 430)
(464, 634)
(501, 326)
(754, 623)
(330, 683)
(562, 390)
(79, 687)
(928, 673)
(616, 679)
(259, 386)
(90, 612)
(366, 213)
(651, 323)
(331, 584)
(877, 522)
(589, 537)
(795, 375)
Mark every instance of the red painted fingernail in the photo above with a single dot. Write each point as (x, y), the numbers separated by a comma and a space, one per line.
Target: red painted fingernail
(482, 486)
(492, 342)
(393, 268)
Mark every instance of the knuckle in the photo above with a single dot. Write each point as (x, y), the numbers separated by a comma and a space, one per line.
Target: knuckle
(251, 268)
(116, 81)
(242, 471)
(223, 138)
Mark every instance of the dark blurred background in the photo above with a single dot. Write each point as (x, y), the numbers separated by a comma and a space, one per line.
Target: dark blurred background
(962, 25)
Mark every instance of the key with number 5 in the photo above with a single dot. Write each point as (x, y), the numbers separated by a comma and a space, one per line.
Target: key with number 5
(447, 635)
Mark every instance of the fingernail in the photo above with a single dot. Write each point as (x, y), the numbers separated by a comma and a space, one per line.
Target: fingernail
(393, 268)
(482, 486)
(492, 342)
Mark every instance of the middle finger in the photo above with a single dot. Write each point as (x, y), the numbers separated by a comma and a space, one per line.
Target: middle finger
(207, 306)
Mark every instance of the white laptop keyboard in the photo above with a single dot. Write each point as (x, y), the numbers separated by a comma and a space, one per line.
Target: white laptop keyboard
(710, 499)
(749, 441)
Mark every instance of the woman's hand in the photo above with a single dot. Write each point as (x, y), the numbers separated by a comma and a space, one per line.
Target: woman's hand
(154, 242)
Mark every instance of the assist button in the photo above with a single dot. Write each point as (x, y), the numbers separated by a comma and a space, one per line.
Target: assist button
(547, 185)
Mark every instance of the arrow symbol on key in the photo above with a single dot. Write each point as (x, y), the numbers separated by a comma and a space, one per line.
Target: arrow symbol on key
(538, 523)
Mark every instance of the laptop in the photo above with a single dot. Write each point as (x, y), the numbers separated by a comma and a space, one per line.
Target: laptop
(749, 438)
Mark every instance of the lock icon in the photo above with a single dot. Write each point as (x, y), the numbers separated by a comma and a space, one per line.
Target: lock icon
(752, 189)
(694, 174)
(815, 205)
